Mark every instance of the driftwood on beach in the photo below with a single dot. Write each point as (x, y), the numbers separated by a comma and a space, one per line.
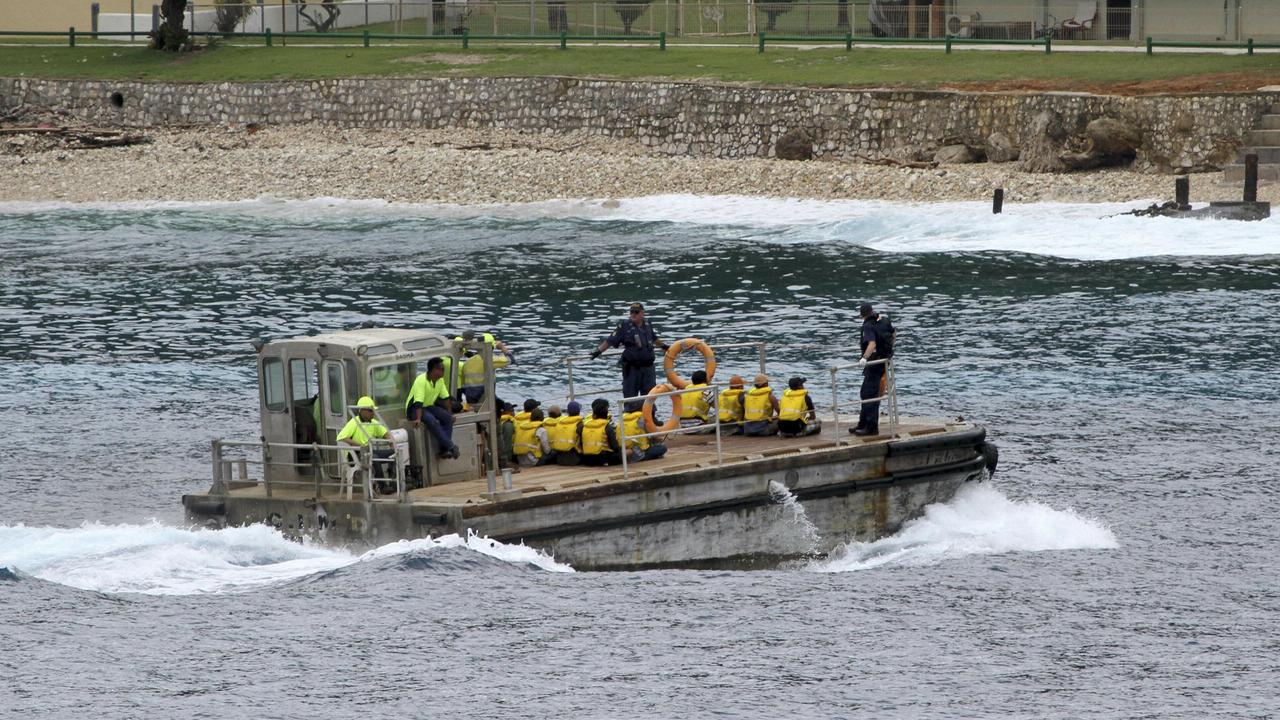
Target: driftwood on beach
(82, 138)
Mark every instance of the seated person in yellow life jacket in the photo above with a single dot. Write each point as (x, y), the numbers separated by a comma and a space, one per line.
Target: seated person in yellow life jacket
(471, 379)
(696, 401)
(730, 407)
(531, 445)
(360, 430)
(640, 448)
(566, 433)
(600, 437)
(506, 435)
(759, 408)
(796, 416)
(430, 404)
(529, 406)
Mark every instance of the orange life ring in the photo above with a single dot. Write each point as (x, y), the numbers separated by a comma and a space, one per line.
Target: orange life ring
(677, 405)
(669, 361)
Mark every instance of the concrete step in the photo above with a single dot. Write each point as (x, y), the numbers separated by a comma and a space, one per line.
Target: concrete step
(1269, 122)
(1263, 138)
(1266, 155)
(1235, 173)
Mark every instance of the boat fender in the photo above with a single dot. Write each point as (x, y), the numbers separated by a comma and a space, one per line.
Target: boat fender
(677, 405)
(991, 456)
(206, 507)
(669, 360)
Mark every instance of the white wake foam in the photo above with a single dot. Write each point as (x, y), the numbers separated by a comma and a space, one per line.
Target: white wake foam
(978, 521)
(1076, 231)
(160, 560)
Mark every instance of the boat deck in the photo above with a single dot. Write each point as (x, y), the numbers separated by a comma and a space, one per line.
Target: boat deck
(685, 452)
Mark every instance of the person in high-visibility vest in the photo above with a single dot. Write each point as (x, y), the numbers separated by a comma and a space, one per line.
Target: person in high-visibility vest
(730, 408)
(472, 378)
(696, 402)
(760, 408)
(362, 428)
(430, 404)
(566, 434)
(531, 445)
(600, 437)
(640, 448)
(796, 415)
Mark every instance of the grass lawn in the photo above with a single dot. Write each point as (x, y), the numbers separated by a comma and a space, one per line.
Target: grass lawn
(819, 67)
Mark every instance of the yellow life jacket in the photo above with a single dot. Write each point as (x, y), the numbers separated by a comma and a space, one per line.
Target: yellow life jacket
(522, 416)
(473, 368)
(631, 424)
(526, 439)
(730, 407)
(694, 405)
(564, 433)
(793, 406)
(757, 405)
(595, 436)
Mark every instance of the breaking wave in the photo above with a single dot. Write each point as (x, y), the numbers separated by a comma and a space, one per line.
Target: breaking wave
(980, 520)
(1074, 231)
(155, 559)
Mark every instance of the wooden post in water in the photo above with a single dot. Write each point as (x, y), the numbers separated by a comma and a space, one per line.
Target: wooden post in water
(1182, 192)
(1251, 178)
(997, 202)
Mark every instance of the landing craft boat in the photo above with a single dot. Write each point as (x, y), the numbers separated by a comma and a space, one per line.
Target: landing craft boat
(715, 499)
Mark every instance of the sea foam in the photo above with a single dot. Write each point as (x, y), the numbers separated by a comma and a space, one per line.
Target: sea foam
(980, 520)
(162, 560)
(1074, 231)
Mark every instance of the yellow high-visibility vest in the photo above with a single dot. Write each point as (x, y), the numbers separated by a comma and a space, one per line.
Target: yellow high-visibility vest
(757, 405)
(564, 434)
(526, 439)
(793, 406)
(631, 424)
(595, 436)
(694, 405)
(731, 405)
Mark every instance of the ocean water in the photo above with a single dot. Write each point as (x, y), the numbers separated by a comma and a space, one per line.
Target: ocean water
(1122, 563)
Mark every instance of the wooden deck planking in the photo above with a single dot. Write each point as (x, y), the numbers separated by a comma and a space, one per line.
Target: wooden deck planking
(686, 452)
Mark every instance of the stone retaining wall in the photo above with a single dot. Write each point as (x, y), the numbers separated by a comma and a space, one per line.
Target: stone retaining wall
(1180, 132)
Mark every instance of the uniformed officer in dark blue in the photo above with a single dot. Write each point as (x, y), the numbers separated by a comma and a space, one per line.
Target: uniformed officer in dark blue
(877, 344)
(638, 340)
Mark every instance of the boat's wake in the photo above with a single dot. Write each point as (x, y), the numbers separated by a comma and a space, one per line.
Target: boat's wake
(980, 520)
(156, 559)
(159, 560)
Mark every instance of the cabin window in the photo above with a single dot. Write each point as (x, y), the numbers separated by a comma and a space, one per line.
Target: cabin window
(303, 375)
(422, 344)
(337, 403)
(273, 383)
(390, 384)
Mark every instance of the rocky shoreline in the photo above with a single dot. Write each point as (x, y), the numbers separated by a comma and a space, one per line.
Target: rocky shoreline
(473, 166)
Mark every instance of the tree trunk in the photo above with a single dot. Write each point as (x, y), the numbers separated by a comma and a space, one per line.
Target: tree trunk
(172, 33)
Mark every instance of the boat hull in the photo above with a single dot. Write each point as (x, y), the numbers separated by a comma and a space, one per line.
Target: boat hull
(758, 512)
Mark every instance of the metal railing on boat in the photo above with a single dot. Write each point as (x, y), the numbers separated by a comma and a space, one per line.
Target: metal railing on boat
(324, 472)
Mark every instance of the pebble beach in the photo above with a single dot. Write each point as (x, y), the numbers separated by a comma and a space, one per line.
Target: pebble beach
(477, 167)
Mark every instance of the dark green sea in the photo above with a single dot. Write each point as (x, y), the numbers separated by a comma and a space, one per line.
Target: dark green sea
(1122, 562)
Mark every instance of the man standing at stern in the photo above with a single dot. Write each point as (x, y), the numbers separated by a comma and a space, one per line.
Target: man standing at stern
(877, 344)
(638, 340)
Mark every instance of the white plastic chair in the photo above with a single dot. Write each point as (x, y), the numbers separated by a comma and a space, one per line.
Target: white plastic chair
(1086, 14)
